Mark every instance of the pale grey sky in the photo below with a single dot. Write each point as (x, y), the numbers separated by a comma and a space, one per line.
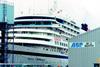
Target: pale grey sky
(81, 11)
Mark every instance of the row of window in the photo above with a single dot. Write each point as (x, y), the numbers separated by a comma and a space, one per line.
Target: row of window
(55, 30)
(70, 34)
(61, 44)
(30, 32)
(49, 34)
(33, 22)
(70, 29)
(56, 50)
(22, 65)
(62, 32)
(72, 25)
(52, 49)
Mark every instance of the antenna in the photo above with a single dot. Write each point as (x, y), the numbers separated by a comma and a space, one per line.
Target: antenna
(53, 9)
(21, 12)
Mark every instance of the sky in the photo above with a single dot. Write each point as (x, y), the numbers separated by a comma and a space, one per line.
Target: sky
(81, 11)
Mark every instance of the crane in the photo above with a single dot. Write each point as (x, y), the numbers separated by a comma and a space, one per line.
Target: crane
(4, 33)
(5, 24)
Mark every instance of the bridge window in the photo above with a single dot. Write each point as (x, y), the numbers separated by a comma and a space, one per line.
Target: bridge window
(46, 23)
(38, 23)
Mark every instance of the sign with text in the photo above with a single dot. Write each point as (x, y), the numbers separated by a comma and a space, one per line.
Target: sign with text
(81, 44)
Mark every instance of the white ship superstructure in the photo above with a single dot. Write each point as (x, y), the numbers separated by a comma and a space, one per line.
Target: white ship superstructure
(40, 40)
